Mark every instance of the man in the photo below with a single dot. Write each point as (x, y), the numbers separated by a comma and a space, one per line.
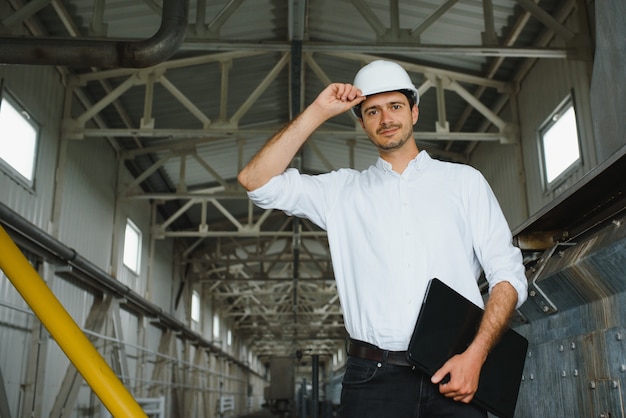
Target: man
(391, 228)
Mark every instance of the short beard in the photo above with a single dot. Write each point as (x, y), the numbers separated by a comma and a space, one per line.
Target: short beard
(391, 146)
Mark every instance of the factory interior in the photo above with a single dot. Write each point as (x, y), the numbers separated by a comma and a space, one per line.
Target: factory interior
(137, 278)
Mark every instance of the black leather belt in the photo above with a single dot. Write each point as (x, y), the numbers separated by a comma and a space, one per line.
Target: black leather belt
(371, 352)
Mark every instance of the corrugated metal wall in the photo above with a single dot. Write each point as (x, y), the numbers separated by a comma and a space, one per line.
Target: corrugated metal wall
(555, 81)
(88, 200)
(501, 165)
(16, 321)
(609, 78)
(29, 84)
(90, 218)
(546, 86)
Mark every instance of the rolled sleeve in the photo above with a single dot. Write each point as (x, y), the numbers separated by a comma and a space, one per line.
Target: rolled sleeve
(501, 260)
(296, 194)
(521, 287)
(269, 195)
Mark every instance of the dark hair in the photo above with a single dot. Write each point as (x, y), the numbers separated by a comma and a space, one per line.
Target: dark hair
(410, 95)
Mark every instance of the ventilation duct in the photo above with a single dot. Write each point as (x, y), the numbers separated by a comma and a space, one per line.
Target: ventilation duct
(83, 53)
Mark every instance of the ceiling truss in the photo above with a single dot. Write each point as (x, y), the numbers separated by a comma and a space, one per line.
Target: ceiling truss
(227, 126)
(277, 300)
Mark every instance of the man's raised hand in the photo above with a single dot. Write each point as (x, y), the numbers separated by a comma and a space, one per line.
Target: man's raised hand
(338, 98)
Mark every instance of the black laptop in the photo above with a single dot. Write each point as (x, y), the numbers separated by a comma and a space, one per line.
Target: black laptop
(446, 325)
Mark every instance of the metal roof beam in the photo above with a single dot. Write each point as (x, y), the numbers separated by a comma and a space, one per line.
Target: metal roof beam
(417, 32)
(256, 133)
(223, 16)
(397, 48)
(297, 19)
(23, 13)
(259, 90)
(372, 18)
(547, 19)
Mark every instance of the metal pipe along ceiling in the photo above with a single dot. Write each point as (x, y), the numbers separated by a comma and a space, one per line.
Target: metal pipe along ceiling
(83, 53)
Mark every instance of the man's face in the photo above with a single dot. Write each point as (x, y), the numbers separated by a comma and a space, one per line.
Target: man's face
(388, 120)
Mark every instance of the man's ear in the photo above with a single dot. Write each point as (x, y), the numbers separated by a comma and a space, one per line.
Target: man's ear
(415, 112)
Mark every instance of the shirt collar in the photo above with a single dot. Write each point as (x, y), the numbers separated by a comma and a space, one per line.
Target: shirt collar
(417, 163)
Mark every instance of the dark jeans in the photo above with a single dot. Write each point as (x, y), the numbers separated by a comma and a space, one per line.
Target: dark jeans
(381, 390)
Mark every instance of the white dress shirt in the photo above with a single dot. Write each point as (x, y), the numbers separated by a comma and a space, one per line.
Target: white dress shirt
(389, 234)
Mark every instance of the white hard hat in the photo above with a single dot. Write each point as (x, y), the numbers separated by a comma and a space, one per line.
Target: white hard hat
(381, 76)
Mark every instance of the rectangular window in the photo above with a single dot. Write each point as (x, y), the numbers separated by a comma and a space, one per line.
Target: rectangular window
(132, 246)
(559, 143)
(18, 142)
(216, 326)
(195, 306)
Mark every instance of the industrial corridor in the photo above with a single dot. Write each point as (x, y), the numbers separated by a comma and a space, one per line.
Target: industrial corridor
(155, 262)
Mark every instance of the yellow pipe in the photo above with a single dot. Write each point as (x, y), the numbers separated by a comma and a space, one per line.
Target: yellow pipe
(89, 363)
